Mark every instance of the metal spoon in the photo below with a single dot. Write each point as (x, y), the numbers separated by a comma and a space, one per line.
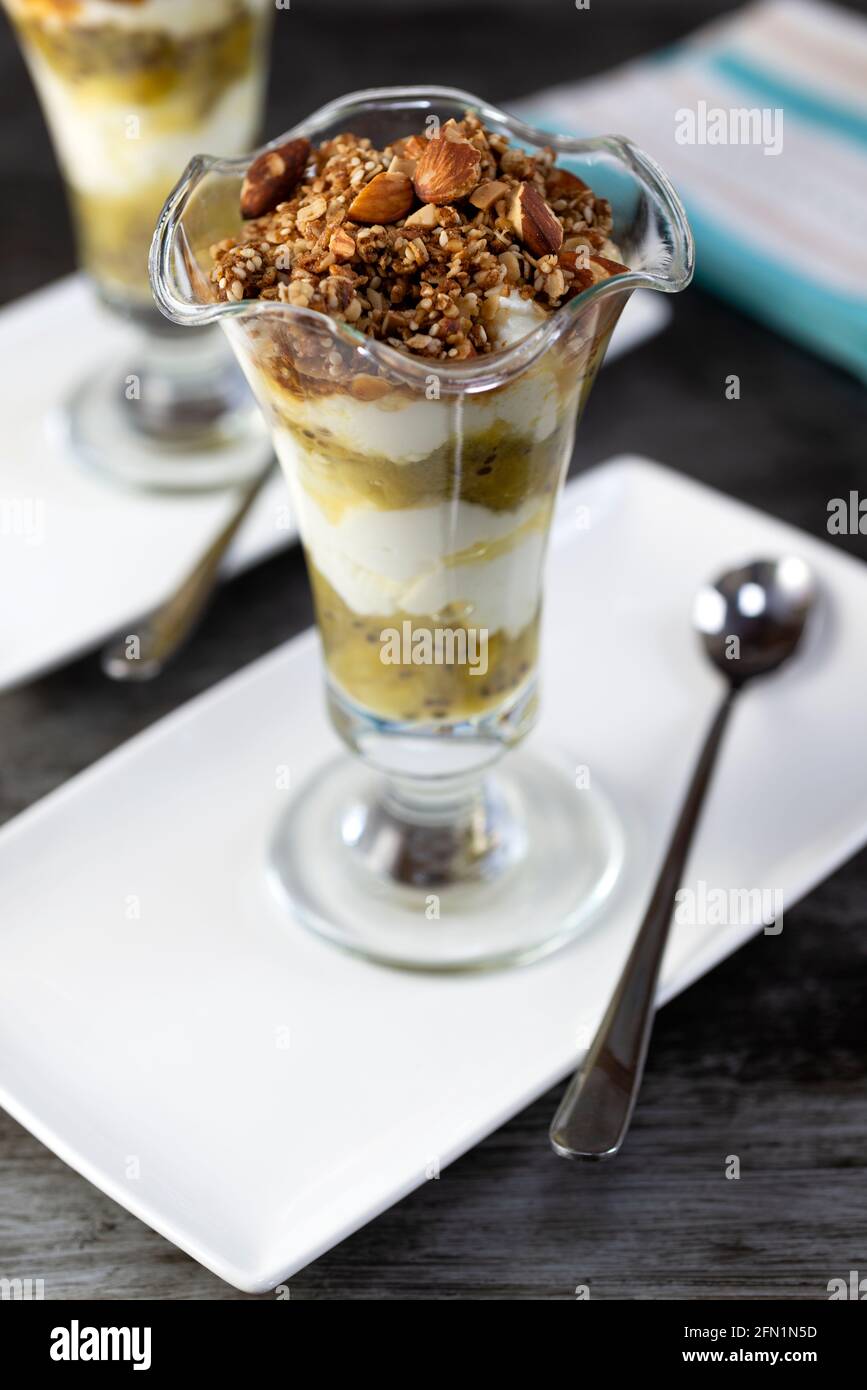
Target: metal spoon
(160, 634)
(751, 621)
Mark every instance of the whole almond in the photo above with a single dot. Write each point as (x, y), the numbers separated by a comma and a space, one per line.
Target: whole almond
(537, 226)
(562, 183)
(385, 199)
(272, 177)
(448, 170)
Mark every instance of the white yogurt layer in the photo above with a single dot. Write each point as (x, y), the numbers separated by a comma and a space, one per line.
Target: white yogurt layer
(516, 319)
(381, 562)
(176, 17)
(109, 148)
(404, 430)
(502, 594)
(413, 560)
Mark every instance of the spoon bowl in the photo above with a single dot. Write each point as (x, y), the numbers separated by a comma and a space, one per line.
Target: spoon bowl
(751, 619)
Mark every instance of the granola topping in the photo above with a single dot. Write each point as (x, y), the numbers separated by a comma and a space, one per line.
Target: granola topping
(420, 244)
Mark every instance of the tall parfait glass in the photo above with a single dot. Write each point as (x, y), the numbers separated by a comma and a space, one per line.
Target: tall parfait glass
(424, 493)
(130, 90)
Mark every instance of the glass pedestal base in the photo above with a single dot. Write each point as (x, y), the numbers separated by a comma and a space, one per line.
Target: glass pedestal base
(519, 870)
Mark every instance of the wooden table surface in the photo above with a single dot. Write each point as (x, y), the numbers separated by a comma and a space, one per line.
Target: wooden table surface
(766, 1057)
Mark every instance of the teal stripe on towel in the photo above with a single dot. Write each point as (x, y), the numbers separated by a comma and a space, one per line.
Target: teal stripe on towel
(771, 90)
(822, 319)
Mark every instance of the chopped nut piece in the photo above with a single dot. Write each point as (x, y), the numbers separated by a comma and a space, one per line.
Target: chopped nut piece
(402, 166)
(512, 266)
(385, 199)
(488, 193)
(452, 130)
(426, 216)
(587, 241)
(562, 183)
(447, 171)
(517, 163)
(411, 147)
(555, 284)
(311, 212)
(341, 245)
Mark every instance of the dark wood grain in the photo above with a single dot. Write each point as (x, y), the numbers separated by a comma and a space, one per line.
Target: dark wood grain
(766, 1058)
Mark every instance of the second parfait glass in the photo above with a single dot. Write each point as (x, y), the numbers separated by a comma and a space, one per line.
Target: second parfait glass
(424, 493)
(130, 91)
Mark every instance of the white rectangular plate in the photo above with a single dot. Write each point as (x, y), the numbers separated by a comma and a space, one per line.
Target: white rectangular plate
(82, 557)
(255, 1095)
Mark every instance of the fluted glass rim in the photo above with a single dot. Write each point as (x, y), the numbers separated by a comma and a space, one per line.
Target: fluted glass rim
(473, 374)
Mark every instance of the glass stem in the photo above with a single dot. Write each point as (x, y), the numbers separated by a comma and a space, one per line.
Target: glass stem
(181, 385)
(435, 832)
(455, 801)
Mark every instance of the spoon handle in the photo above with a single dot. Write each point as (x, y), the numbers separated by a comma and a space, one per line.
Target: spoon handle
(595, 1112)
(162, 632)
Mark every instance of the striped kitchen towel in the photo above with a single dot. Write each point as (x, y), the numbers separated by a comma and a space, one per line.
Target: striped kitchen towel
(760, 119)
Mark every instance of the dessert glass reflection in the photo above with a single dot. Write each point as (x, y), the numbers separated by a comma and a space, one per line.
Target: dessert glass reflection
(421, 306)
(131, 89)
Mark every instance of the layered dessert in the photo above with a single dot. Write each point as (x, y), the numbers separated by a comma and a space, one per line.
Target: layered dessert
(131, 90)
(424, 446)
